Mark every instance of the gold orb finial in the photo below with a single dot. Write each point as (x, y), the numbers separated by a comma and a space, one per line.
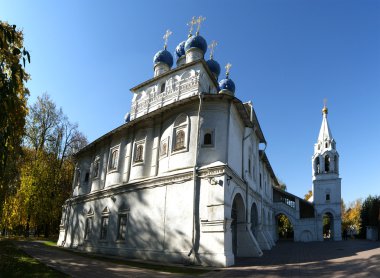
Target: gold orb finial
(325, 111)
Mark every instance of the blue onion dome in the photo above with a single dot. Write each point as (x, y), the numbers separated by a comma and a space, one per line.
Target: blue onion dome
(180, 49)
(227, 84)
(196, 41)
(163, 56)
(214, 67)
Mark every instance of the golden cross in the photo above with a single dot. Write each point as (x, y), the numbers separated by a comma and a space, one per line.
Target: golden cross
(324, 102)
(199, 21)
(228, 67)
(166, 36)
(212, 48)
(191, 24)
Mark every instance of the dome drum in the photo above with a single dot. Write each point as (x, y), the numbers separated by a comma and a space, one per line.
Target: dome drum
(160, 68)
(181, 61)
(194, 54)
(162, 62)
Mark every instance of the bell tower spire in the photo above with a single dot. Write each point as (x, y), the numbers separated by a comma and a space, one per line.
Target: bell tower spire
(326, 183)
(326, 157)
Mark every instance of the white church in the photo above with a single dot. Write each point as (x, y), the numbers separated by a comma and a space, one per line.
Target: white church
(184, 180)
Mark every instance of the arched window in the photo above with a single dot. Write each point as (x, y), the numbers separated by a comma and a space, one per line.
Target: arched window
(336, 164)
(180, 133)
(139, 155)
(78, 177)
(327, 163)
(179, 140)
(114, 158)
(317, 166)
(162, 89)
(207, 139)
(95, 171)
(249, 165)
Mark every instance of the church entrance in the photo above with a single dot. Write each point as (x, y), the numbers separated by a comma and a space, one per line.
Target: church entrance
(238, 217)
(328, 226)
(284, 227)
(254, 219)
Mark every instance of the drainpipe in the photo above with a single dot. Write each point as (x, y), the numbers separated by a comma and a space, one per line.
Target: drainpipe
(262, 201)
(158, 147)
(130, 155)
(243, 175)
(195, 174)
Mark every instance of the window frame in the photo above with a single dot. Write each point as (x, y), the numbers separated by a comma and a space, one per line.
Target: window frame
(140, 143)
(88, 231)
(111, 167)
(122, 234)
(206, 131)
(166, 152)
(180, 127)
(104, 227)
(96, 174)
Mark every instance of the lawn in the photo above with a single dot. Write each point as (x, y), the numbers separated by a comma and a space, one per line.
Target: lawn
(16, 263)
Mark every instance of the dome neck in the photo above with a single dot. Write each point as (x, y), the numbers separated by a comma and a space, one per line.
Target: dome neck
(194, 54)
(181, 61)
(160, 68)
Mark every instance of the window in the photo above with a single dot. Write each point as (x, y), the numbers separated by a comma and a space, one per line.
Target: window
(104, 228)
(260, 181)
(164, 147)
(180, 132)
(207, 140)
(336, 164)
(114, 159)
(179, 140)
(78, 177)
(208, 137)
(88, 228)
(317, 165)
(95, 171)
(86, 177)
(162, 88)
(327, 163)
(249, 165)
(122, 226)
(327, 197)
(139, 155)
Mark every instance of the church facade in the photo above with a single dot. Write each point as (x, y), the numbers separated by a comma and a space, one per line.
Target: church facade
(184, 178)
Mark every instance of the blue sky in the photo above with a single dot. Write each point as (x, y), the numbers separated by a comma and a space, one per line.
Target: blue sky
(287, 56)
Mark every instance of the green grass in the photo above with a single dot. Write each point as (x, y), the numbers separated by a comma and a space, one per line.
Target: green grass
(16, 263)
(143, 265)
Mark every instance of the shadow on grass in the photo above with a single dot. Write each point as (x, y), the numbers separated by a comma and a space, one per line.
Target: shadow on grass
(16, 263)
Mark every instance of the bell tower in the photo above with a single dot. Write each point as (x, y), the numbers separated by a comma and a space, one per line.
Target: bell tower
(326, 183)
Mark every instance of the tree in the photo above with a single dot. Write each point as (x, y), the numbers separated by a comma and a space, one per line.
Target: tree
(285, 227)
(370, 214)
(281, 185)
(13, 105)
(308, 195)
(46, 170)
(351, 216)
